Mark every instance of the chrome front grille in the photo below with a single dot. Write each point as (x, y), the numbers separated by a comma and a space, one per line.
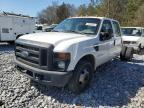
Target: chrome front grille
(36, 56)
(28, 55)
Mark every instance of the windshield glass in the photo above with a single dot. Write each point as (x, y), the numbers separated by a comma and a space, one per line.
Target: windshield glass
(131, 32)
(79, 25)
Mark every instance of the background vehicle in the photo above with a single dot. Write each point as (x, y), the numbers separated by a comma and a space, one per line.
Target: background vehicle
(13, 25)
(133, 37)
(39, 28)
(49, 28)
(70, 53)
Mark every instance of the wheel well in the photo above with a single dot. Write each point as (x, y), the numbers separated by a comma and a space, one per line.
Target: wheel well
(89, 58)
(19, 36)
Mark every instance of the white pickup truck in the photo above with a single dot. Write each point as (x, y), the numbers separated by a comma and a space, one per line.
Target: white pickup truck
(69, 54)
(133, 37)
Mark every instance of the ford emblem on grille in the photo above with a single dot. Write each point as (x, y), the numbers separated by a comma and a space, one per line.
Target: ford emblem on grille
(25, 54)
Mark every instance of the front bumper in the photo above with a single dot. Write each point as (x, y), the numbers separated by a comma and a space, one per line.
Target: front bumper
(53, 78)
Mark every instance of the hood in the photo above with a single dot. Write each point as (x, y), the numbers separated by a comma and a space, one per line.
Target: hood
(130, 38)
(51, 37)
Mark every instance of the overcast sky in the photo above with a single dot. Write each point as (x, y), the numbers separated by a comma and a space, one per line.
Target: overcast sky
(32, 7)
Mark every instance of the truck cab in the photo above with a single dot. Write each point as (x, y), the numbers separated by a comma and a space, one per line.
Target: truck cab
(133, 37)
(69, 55)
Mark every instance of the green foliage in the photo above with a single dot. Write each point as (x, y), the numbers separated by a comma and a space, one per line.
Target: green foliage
(125, 11)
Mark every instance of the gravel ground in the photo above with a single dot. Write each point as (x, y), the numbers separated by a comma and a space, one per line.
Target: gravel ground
(116, 84)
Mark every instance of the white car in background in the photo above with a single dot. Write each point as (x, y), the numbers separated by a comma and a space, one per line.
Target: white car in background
(49, 28)
(133, 37)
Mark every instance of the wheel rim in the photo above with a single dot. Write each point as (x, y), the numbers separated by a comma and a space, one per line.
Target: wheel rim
(84, 76)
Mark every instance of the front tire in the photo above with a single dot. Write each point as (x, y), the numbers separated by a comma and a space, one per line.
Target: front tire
(81, 77)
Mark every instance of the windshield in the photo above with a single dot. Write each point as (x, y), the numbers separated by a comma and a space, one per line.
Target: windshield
(79, 25)
(131, 31)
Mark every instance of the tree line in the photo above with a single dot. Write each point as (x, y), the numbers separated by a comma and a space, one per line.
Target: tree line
(127, 12)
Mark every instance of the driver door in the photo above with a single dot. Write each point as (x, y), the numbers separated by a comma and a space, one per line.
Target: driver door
(106, 45)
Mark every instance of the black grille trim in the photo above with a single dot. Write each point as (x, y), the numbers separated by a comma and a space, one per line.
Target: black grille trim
(39, 57)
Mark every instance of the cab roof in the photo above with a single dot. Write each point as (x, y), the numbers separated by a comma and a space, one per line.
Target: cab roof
(102, 18)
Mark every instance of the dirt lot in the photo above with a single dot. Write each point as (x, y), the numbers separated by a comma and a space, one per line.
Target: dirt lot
(115, 84)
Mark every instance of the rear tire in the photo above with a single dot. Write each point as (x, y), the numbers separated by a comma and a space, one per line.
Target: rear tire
(122, 54)
(129, 53)
(126, 53)
(81, 77)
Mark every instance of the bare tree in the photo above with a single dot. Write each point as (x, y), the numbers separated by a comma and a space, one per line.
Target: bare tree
(62, 12)
(48, 15)
(82, 10)
(139, 17)
(56, 13)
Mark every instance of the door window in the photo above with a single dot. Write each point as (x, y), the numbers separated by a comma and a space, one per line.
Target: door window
(117, 29)
(106, 31)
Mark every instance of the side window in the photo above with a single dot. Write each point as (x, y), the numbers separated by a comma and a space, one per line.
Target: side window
(106, 31)
(117, 29)
(5, 30)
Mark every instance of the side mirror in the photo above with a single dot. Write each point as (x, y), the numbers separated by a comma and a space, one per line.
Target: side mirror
(106, 35)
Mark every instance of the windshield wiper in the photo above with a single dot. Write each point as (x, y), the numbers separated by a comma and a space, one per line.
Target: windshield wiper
(73, 31)
(70, 31)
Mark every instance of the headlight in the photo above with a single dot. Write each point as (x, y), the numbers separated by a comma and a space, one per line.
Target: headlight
(61, 61)
(61, 64)
(62, 56)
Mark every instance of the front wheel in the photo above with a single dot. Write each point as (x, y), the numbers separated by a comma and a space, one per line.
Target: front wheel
(81, 77)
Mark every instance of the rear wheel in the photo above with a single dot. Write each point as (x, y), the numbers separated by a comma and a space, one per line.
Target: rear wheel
(81, 78)
(129, 53)
(122, 54)
(126, 53)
